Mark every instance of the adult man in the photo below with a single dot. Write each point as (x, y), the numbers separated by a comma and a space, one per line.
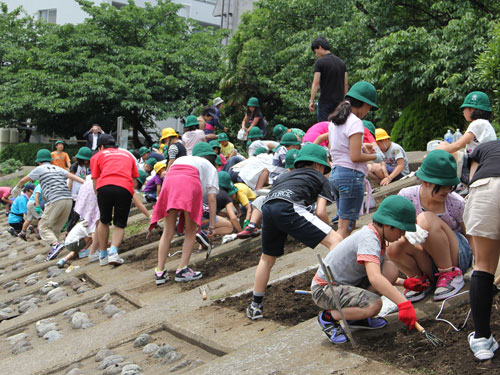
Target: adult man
(114, 172)
(92, 136)
(330, 76)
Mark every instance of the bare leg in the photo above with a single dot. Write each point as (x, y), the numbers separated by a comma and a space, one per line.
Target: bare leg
(223, 226)
(441, 243)
(343, 227)
(410, 259)
(166, 239)
(117, 237)
(256, 217)
(487, 253)
(102, 235)
(358, 313)
(331, 240)
(263, 179)
(262, 273)
(189, 238)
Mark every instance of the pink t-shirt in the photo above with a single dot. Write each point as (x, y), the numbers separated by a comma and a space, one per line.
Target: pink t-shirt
(339, 143)
(368, 137)
(4, 192)
(315, 131)
(191, 138)
(454, 206)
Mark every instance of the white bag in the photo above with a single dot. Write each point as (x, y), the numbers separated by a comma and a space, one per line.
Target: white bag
(241, 135)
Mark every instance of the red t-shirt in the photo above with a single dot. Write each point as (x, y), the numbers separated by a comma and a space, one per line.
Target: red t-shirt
(368, 137)
(4, 192)
(113, 166)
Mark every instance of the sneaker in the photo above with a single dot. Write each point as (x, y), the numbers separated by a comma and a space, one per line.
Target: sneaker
(54, 251)
(12, 232)
(103, 261)
(37, 234)
(161, 277)
(254, 311)
(61, 263)
(30, 229)
(115, 260)
(332, 329)
(203, 240)
(187, 274)
(370, 323)
(249, 231)
(335, 219)
(482, 348)
(93, 257)
(83, 253)
(414, 296)
(448, 284)
(22, 236)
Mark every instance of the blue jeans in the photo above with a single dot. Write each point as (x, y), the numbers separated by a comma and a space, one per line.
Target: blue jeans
(324, 110)
(348, 189)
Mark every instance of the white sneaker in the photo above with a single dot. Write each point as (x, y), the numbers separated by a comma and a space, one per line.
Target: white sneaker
(93, 257)
(103, 261)
(482, 348)
(115, 260)
(448, 284)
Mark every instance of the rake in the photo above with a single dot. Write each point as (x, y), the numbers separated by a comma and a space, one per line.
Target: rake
(433, 339)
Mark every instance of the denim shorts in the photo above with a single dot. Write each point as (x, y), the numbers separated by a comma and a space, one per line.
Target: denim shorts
(464, 254)
(348, 189)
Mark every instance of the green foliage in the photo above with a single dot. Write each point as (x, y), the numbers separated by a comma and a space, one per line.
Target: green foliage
(423, 121)
(10, 166)
(488, 65)
(25, 153)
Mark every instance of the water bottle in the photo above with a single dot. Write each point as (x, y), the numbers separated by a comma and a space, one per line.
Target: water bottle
(448, 137)
(457, 135)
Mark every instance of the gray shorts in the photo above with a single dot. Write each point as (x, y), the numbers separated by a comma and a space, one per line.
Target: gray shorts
(349, 296)
(76, 246)
(31, 213)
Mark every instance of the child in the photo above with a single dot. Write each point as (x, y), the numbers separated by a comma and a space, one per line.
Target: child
(244, 196)
(349, 155)
(35, 207)
(226, 148)
(477, 111)
(253, 117)
(192, 134)
(77, 241)
(173, 148)
(288, 142)
(153, 185)
(81, 169)
(396, 163)
(59, 157)
(315, 131)
(445, 252)
(57, 198)
(5, 192)
(149, 165)
(280, 130)
(255, 141)
(285, 211)
(216, 147)
(482, 220)
(205, 120)
(18, 209)
(187, 180)
(361, 273)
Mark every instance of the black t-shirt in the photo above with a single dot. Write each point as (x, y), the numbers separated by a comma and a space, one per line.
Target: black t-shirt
(488, 156)
(331, 83)
(302, 186)
(175, 150)
(222, 198)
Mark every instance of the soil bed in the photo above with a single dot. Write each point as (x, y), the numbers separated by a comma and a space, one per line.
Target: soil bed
(139, 240)
(399, 347)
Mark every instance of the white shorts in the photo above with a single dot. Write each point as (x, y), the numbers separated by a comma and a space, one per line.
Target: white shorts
(482, 210)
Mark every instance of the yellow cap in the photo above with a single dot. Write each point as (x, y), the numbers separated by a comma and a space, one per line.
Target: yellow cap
(168, 132)
(159, 166)
(381, 134)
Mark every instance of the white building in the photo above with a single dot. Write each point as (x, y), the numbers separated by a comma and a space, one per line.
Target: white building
(230, 12)
(68, 11)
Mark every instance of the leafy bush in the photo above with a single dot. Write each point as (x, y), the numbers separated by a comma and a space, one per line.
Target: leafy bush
(26, 152)
(10, 166)
(423, 121)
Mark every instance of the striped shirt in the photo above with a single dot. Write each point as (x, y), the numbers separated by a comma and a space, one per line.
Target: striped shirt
(53, 181)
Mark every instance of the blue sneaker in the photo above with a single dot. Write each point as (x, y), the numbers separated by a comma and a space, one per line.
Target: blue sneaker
(333, 330)
(84, 253)
(370, 323)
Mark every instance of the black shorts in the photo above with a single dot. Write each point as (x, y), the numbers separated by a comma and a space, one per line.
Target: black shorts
(280, 218)
(17, 226)
(111, 197)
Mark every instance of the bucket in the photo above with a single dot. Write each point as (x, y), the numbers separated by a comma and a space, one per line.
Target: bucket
(433, 144)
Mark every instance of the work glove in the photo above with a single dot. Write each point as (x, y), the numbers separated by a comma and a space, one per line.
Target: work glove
(417, 284)
(38, 210)
(16, 191)
(245, 223)
(380, 157)
(418, 237)
(407, 314)
(228, 238)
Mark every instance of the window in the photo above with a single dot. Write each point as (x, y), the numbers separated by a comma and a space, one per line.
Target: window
(117, 4)
(48, 15)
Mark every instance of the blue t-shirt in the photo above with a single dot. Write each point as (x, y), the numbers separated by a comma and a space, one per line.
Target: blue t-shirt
(38, 189)
(19, 208)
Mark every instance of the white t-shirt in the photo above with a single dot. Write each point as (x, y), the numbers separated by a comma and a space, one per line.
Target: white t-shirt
(79, 231)
(191, 138)
(338, 137)
(483, 132)
(256, 144)
(392, 154)
(208, 174)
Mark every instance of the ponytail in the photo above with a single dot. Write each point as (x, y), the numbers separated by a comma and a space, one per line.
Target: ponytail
(341, 113)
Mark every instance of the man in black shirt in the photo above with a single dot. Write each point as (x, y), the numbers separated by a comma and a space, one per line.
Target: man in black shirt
(330, 76)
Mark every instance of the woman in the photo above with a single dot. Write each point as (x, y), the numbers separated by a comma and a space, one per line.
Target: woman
(253, 117)
(349, 154)
(445, 252)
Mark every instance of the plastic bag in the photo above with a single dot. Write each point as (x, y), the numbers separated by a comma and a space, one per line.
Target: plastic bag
(241, 135)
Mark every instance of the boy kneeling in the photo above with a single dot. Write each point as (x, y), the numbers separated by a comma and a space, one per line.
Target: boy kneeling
(362, 274)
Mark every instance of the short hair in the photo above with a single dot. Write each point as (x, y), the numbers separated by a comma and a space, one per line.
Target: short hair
(320, 42)
(480, 114)
(207, 111)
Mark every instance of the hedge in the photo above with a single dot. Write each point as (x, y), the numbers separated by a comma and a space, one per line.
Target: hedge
(26, 152)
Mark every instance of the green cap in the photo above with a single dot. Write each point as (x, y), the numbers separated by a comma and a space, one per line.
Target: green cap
(57, 142)
(253, 102)
(397, 211)
(142, 176)
(155, 145)
(478, 100)
(279, 130)
(151, 162)
(226, 183)
(203, 149)
(289, 139)
(255, 133)
(191, 120)
(260, 150)
(369, 125)
(314, 153)
(84, 153)
(365, 92)
(440, 168)
(290, 158)
(214, 143)
(144, 150)
(43, 155)
(222, 137)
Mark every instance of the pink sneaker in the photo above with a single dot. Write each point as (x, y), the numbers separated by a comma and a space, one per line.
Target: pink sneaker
(448, 284)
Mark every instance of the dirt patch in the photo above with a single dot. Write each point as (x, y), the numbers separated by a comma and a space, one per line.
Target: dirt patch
(138, 240)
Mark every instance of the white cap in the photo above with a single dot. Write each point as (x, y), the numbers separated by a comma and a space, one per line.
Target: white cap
(218, 100)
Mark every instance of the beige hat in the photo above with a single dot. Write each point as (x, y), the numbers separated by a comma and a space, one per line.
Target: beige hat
(218, 100)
